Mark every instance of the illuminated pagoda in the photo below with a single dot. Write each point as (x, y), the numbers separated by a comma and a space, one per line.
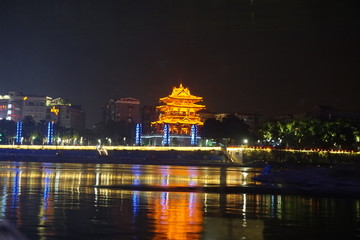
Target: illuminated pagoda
(179, 111)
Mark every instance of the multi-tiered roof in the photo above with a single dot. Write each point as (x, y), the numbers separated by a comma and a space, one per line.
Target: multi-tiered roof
(180, 110)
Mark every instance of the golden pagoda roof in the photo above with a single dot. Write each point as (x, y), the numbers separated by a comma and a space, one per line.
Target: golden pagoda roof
(181, 93)
(180, 108)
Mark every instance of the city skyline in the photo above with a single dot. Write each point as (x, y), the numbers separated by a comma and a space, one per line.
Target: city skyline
(249, 56)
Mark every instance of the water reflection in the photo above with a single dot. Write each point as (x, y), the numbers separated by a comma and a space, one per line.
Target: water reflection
(61, 201)
(176, 215)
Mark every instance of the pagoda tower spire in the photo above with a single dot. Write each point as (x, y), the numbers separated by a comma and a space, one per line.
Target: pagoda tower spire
(179, 110)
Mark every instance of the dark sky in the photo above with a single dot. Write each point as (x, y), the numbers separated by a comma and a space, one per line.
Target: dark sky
(268, 56)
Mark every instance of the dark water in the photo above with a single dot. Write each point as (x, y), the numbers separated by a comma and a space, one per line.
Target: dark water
(61, 201)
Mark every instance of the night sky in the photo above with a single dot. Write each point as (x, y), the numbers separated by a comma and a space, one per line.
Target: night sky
(265, 56)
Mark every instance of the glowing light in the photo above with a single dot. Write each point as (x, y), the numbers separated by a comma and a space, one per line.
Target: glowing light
(136, 203)
(18, 132)
(25, 98)
(166, 137)
(138, 134)
(158, 148)
(109, 148)
(180, 111)
(194, 135)
(54, 110)
(50, 133)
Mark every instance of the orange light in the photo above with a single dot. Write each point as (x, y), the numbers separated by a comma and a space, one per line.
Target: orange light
(55, 110)
(184, 209)
(180, 110)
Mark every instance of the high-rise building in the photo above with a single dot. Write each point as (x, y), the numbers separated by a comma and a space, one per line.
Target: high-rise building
(149, 114)
(4, 101)
(19, 106)
(67, 114)
(122, 109)
(109, 111)
(16, 106)
(71, 117)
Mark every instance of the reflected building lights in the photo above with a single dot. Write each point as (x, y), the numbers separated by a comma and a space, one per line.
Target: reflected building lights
(278, 206)
(96, 190)
(205, 202)
(137, 179)
(244, 210)
(184, 209)
(170, 215)
(136, 204)
(3, 198)
(272, 205)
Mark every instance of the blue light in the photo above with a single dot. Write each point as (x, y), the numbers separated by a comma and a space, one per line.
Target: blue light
(47, 189)
(138, 134)
(193, 140)
(50, 133)
(16, 188)
(166, 137)
(18, 132)
(136, 203)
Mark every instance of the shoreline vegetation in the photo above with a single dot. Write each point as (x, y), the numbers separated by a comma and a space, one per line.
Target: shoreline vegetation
(298, 158)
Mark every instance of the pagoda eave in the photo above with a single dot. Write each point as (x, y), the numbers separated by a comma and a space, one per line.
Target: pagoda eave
(179, 122)
(167, 107)
(185, 105)
(170, 98)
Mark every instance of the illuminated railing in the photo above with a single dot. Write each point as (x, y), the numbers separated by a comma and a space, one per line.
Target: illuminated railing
(142, 148)
(159, 148)
(268, 149)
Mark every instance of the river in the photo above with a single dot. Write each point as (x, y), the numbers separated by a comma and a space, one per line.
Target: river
(84, 201)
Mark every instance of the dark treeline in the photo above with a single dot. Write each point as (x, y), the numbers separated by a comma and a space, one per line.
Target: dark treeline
(36, 133)
(114, 133)
(313, 133)
(306, 132)
(230, 131)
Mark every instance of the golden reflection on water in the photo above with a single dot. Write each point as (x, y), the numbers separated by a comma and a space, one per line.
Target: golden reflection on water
(47, 196)
(176, 215)
(173, 215)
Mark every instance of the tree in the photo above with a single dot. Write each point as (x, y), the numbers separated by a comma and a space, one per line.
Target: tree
(231, 130)
(211, 129)
(28, 129)
(7, 130)
(313, 133)
(234, 129)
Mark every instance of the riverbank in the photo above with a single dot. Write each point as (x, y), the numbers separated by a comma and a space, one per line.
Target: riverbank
(338, 181)
(299, 157)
